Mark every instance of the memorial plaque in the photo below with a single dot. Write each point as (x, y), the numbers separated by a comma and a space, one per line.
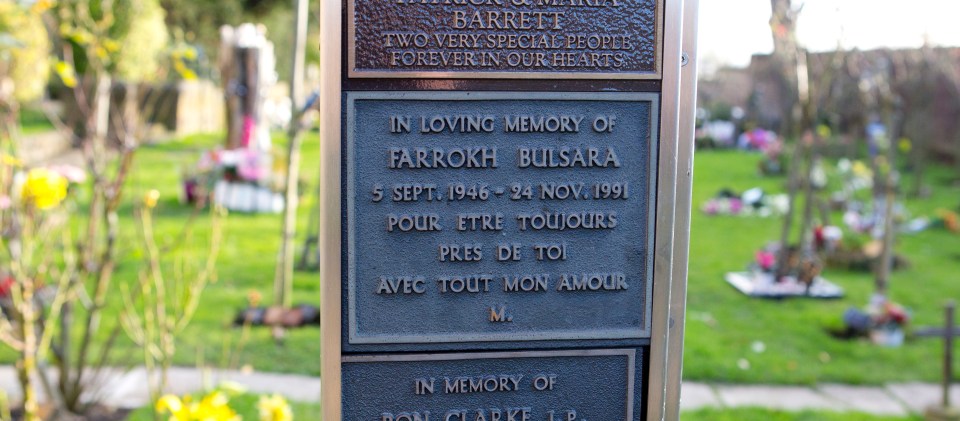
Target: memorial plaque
(504, 38)
(545, 385)
(506, 208)
(520, 216)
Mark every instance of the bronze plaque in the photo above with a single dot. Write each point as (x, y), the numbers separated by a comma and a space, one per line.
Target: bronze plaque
(585, 39)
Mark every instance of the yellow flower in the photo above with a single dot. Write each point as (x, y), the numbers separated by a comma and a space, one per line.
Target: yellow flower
(184, 51)
(213, 407)
(41, 6)
(861, 170)
(905, 145)
(66, 72)
(183, 70)
(150, 199)
(10, 161)
(253, 298)
(824, 131)
(44, 189)
(111, 45)
(274, 408)
(79, 36)
(172, 404)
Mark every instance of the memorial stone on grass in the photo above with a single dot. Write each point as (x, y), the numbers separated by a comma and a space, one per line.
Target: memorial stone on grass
(499, 194)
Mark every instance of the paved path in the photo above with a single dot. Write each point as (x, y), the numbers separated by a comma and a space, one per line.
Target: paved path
(47, 147)
(897, 399)
(128, 390)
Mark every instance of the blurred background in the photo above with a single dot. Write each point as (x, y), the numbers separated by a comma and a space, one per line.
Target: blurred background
(159, 219)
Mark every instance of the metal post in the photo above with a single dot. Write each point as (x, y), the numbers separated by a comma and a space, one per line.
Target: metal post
(948, 333)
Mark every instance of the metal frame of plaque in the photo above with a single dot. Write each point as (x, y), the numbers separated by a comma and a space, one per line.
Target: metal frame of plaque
(675, 77)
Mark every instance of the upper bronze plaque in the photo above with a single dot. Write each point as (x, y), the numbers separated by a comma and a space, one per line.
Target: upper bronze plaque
(562, 39)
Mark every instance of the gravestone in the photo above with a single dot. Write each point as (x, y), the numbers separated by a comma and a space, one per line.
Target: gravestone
(505, 208)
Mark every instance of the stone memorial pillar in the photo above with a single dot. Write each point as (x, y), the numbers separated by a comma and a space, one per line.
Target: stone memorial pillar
(506, 204)
(247, 67)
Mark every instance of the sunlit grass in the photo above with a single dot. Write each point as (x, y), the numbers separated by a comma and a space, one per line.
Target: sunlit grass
(722, 324)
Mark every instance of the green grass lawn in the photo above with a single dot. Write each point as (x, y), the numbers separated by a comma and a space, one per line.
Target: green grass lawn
(722, 324)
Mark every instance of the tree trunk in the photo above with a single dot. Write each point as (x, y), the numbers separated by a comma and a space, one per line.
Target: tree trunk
(886, 257)
(893, 118)
(919, 164)
(783, 29)
(283, 285)
(793, 182)
(28, 355)
(806, 237)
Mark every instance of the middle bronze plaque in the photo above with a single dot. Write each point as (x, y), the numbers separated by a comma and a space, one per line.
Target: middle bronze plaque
(498, 217)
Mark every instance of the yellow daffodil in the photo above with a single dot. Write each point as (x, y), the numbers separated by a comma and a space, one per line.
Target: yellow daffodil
(41, 6)
(185, 72)
(185, 52)
(213, 407)
(111, 45)
(274, 408)
(66, 72)
(172, 404)
(10, 161)
(44, 189)
(79, 36)
(150, 199)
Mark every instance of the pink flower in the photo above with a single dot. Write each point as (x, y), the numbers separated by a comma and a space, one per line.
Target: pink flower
(766, 259)
(710, 208)
(249, 126)
(72, 173)
(6, 282)
(251, 167)
(735, 206)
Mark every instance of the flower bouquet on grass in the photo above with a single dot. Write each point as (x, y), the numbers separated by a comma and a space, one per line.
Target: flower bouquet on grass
(883, 322)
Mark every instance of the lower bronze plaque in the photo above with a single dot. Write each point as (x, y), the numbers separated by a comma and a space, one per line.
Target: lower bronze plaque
(599, 385)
